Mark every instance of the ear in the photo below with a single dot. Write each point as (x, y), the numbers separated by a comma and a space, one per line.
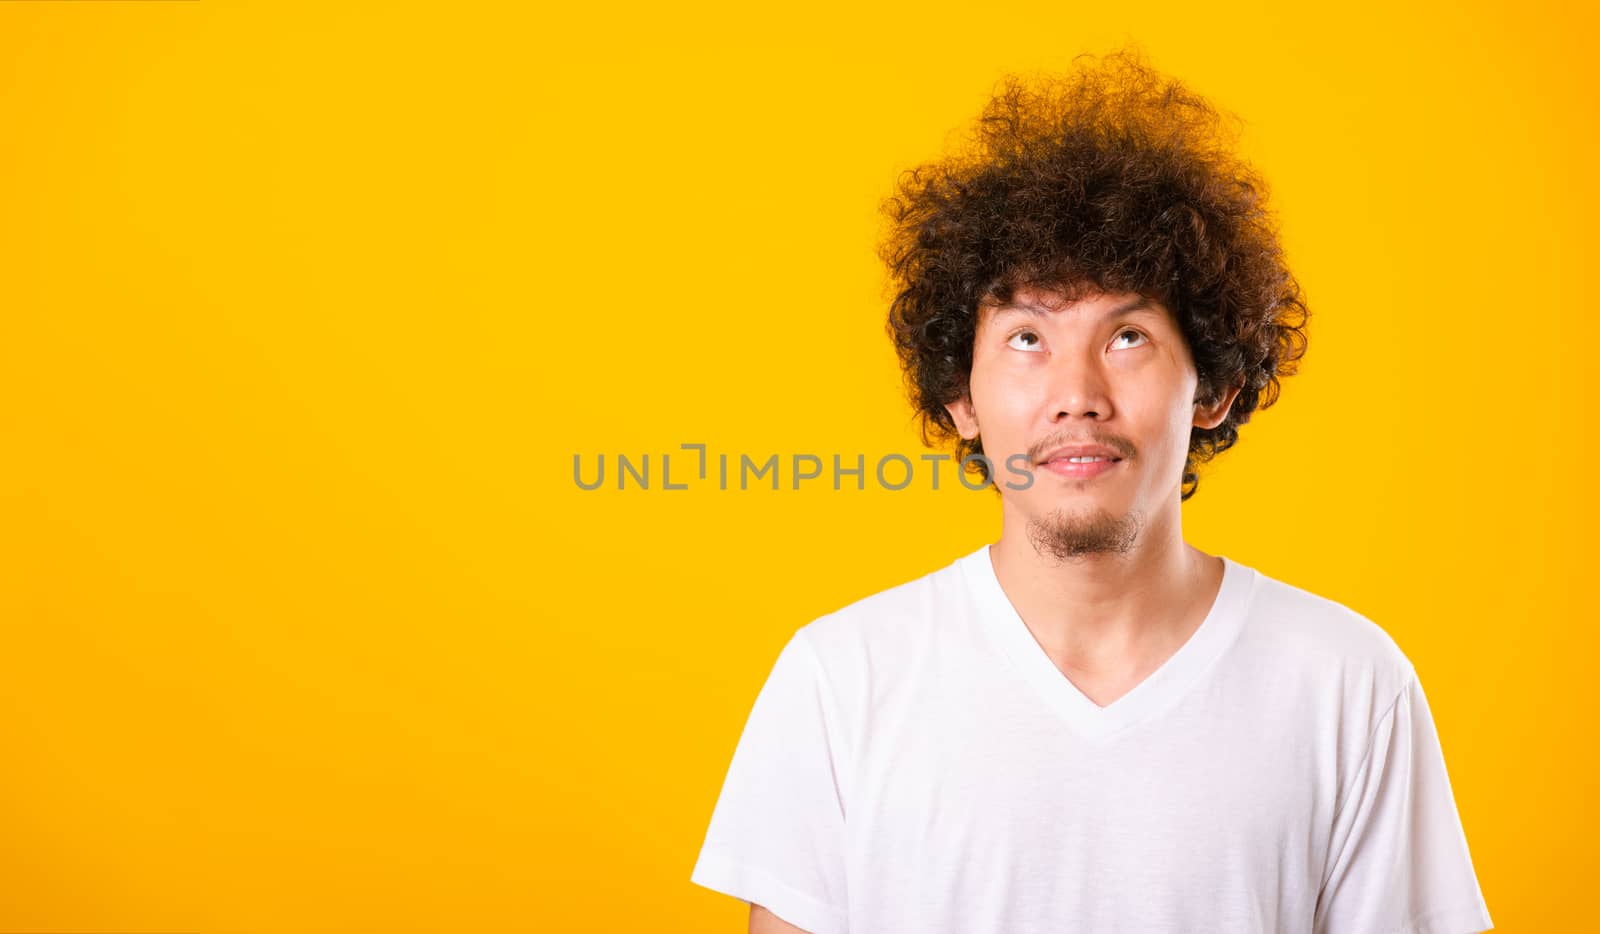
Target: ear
(1210, 416)
(961, 412)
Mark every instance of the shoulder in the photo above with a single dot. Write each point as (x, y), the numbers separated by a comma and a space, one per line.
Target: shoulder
(1329, 648)
(897, 612)
(883, 634)
(1319, 624)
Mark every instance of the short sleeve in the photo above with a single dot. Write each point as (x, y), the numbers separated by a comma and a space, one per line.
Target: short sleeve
(1398, 858)
(776, 836)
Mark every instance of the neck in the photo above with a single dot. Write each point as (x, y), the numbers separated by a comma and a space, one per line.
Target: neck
(1110, 614)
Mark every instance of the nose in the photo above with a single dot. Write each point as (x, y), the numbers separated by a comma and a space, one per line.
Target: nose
(1079, 388)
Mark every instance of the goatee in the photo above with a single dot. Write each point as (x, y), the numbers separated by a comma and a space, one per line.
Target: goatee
(1062, 534)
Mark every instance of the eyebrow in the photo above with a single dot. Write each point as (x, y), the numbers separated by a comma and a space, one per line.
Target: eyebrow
(1142, 303)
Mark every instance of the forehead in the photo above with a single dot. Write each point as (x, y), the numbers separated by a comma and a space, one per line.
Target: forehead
(1099, 306)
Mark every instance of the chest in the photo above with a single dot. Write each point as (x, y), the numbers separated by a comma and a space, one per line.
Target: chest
(987, 813)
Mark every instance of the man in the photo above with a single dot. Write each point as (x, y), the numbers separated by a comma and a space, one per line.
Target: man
(1091, 725)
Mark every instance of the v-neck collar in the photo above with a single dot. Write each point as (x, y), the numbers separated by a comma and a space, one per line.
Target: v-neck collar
(999, 618)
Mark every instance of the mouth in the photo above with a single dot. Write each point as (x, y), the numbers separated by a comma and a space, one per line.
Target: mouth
(1081, 466)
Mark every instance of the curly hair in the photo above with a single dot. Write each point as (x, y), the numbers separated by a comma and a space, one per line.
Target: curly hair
(1108, 178)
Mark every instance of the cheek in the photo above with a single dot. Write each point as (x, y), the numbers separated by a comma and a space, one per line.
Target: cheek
(1003, 407)
(1180, 428)
(1165, 418)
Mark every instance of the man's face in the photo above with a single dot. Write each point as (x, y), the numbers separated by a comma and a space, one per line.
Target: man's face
(1108, 372)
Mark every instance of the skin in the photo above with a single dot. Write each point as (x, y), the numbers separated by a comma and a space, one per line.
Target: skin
(1096, 567)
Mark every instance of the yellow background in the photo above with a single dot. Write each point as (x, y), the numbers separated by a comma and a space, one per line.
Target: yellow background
(307, 309)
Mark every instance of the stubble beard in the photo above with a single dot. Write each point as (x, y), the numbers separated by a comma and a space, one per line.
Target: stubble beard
(1063, 534)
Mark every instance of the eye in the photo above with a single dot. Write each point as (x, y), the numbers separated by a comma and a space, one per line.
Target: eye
(1029, 335)
(1127, 331)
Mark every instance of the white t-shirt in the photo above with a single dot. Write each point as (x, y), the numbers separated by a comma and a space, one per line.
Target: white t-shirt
(916, 764)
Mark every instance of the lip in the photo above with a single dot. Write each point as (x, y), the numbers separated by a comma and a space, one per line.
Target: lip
(1056, 461)
(1080, 450)
(1065, 468)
